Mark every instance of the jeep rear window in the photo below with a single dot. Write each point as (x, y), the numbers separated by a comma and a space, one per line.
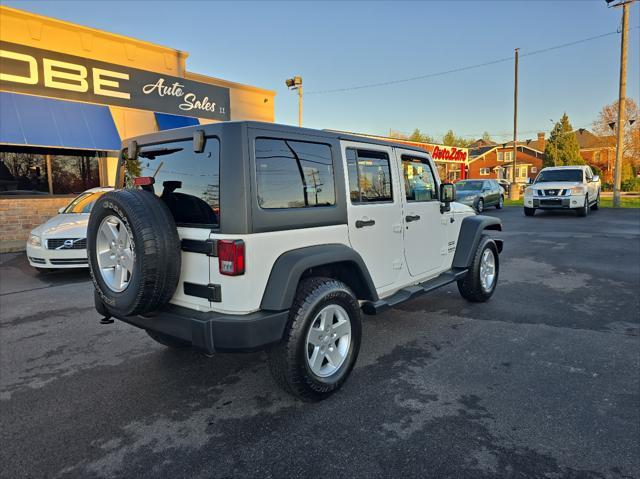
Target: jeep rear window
(188, 182)
(294, 174)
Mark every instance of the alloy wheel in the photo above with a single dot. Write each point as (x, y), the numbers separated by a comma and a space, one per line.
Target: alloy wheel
(487, 269)
(115, 255)
(328, 340)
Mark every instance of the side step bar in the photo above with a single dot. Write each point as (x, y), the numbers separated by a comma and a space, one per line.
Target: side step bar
(376, 307)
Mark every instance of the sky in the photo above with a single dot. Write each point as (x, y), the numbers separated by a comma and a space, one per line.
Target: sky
(335, 45)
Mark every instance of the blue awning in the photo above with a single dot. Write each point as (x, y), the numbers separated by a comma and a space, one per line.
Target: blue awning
(37, 121)
(167, 122)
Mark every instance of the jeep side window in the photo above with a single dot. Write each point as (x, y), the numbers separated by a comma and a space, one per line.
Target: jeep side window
(369, 176)
(294, 174)
(419, 183)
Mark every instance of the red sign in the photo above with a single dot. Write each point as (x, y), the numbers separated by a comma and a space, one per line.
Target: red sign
(451, 153)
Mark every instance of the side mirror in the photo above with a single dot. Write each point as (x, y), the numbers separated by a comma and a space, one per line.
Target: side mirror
(60, 210)
(447, 195)
(595, 178)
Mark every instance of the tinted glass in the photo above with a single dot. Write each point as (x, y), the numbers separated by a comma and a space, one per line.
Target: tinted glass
(294, 174)
(23, 173)
(83, 203)
(373, 173)
(74, 174)
(352, 169)
(188, 182)
(469, 185)
(419, 183)
(559, 175)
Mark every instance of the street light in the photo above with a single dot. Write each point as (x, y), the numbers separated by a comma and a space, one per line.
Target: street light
(295, 83)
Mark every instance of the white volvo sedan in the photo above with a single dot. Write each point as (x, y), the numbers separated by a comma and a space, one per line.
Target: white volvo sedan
(61, 242)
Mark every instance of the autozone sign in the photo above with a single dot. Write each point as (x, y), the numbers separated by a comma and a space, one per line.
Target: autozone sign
(46, 73)
(450, 153)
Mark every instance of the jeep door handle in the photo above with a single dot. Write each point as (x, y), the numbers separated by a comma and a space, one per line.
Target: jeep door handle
(363, 223)
(411, 218)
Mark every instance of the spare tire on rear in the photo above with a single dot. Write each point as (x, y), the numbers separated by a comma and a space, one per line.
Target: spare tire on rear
(134, 251)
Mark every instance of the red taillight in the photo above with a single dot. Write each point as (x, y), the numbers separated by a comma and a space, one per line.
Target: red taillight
(144, 180)
(231, 257)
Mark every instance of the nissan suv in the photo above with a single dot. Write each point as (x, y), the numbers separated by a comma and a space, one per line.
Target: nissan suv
(241, 236)
(563, 187)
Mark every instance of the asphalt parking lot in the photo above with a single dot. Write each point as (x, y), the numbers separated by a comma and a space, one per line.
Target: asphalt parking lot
(542, 381)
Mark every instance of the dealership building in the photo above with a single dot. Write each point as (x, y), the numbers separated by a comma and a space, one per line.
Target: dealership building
(70, 94)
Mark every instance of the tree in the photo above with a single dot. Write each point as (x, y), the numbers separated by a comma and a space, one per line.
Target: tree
(486, 137)
(631, 133)
(417, 135)
(562, 147)
(450, 139)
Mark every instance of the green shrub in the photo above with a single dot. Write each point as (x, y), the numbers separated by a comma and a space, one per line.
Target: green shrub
(631, 184)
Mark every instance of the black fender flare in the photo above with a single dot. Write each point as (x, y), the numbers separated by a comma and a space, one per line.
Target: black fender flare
(288, 269)
(471, 231)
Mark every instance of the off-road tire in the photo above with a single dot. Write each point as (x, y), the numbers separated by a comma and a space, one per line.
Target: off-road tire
(470, 286)
(287, 360)
(500, 203)
(583, 210)
(156, 251)
(168, 341)
(596, 205)
(529, 211)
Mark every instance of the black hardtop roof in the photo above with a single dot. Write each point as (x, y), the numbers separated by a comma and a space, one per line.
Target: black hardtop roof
(181, 133)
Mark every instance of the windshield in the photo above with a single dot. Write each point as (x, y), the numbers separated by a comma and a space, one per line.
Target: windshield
(559, 175)
(469, 185)
(83, 203)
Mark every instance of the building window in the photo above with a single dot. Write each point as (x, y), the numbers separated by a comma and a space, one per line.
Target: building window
(534, 169)
(419, 183)
(508, 156)
(485, 171)
(369, 176)
(596, 157)
(294, 174)
(521, 172)
(500, 156)
(37, 171)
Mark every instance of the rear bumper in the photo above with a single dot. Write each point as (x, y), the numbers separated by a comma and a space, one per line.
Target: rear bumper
(211, 332)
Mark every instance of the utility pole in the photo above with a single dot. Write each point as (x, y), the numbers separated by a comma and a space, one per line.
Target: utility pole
(514, 192)
(295, 83)
(300, 105)
(617, 175)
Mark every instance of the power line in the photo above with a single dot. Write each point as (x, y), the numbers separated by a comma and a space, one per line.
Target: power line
(464, 68)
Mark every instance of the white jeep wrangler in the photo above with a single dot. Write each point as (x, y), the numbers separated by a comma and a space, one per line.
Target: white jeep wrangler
(239, 236)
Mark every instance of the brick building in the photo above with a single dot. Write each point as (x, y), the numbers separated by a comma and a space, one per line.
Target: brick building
(492, 160)
(598, 151)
